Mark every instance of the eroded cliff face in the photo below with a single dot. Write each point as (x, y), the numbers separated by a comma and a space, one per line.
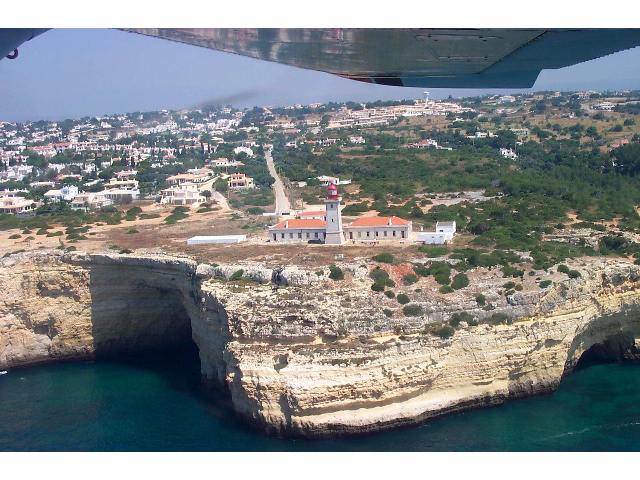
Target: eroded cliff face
(315, 356)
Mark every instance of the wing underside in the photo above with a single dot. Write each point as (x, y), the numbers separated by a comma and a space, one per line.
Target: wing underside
(462, 58)
(453, 58)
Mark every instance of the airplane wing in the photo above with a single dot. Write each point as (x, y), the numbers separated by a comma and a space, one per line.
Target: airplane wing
(451, 58)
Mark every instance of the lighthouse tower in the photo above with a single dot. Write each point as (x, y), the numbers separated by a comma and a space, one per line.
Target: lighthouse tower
(334, 235)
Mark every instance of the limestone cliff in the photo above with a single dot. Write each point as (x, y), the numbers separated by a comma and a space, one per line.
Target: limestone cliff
(306, 355)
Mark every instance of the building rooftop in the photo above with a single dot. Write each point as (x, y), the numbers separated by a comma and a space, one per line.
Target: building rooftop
(313, 213)
(378, 222)
(300, 223)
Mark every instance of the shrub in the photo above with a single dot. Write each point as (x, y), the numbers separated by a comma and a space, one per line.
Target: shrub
(402, 299)
(14, 236)
(460, 281)
(409, 279)
(458, 317)
(387, 312)
(421, 270)
(481, 299)
(384, 257)
(377, 287)
(444, 331)
(132, 213)
(445, 289)
(500, 318)
(178, 213)
(389, 283)
(255, 211)
(412, 310)
(545, 283)
(335, 273)
(379, 275)
(509, 271)
(390, 294)
(441, 272)
(509, 285)
(574, 274)
(55, 234)
(563, 269)
(237, 275)
(132, 230)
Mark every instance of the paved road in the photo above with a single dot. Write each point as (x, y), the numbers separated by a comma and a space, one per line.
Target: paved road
(282, 202)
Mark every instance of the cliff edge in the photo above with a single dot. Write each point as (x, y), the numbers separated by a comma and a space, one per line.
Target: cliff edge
(303, 354)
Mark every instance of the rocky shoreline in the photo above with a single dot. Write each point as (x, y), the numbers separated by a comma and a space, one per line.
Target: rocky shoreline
(302, 354)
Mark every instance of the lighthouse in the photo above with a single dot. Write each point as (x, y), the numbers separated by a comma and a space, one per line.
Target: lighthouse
(334, 234)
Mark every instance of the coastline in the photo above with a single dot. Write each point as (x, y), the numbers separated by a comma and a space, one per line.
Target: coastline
(279, 375)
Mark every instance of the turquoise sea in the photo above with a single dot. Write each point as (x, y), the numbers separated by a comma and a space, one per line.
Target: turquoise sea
(155, 402)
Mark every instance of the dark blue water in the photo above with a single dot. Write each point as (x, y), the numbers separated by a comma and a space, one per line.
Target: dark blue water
(156, 403)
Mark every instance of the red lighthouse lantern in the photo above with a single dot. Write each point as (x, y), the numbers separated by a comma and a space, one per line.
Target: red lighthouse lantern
(332, 191)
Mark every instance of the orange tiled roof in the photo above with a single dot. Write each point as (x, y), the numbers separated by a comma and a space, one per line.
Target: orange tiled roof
(300, 223)
(378, 222)
(314, 213)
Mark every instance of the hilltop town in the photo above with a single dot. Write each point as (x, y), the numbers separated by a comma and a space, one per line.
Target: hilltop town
(456, 179)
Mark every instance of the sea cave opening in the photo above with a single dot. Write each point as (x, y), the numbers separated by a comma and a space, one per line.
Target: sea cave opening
(615, 348)
(143, 320)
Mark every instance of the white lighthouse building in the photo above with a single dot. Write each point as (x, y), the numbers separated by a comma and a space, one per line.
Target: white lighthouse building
(326, 226)
(334, 233)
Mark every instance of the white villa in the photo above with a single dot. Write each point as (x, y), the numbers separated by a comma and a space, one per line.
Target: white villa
(245, 150)
(202, 175)
(16, 205)
(508, 153)
(186, 194)
(90, 201)
(122, 190)
(328, 228)
(225, 162)
(443, 234)
(66, 193)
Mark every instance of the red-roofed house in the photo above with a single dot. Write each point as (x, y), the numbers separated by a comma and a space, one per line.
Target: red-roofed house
(298, 230)
(365, 229)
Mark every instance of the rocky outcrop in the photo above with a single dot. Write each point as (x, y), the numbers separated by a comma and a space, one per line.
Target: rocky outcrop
(306, 355)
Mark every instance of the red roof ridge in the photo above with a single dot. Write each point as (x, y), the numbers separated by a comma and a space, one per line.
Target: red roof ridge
(377, 221)
(300, 223)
